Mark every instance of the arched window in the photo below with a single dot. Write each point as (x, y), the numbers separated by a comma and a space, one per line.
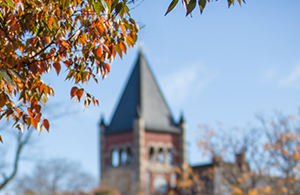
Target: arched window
(161, 156)
(170, 156)
(123, 157)
(115, 161)
(129, 156)
(151, 154)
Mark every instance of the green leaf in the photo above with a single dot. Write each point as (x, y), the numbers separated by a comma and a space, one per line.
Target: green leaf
(10, 3)
(91, 2)
(1, 16)
(12, 71)
(202, 4)
(97, 8)
(189, 6)
(230, 2)
(171, 6)
(119, 7)
(6, 77)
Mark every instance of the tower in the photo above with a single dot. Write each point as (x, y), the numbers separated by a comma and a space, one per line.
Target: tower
(142, 145)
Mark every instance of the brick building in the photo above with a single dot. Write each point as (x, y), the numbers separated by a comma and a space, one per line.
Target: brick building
(142, 144)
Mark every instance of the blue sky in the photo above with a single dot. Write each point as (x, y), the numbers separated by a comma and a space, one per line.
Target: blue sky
(224, 65)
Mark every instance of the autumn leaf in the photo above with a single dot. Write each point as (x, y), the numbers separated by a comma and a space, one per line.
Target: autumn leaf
(33, 122)
(50, 21)
(57, 67)
(1, 139)
(73, 91)
(46, 124)
(79, 93)
(103, 68)
(99, 51)
(123, 46)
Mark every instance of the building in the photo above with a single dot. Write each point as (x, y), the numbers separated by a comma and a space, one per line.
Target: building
(142, 144)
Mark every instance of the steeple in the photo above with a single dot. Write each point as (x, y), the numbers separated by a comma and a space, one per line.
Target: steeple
(142, 98)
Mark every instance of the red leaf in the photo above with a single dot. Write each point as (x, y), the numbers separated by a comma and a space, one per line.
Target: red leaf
(52, 51)
(57, 67)
(66, 63)
(46, 124)
(79, 93)
(73, 91)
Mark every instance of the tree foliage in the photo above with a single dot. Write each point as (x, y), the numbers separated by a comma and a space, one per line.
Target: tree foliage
(80, 37)
(267, 157)
(10, 164)
(55, 176)
(190, 5)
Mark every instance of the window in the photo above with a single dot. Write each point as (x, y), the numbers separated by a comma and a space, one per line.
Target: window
(123, 157)
(151, 154)
(170, 156)
(115, 161)
(129, 156)
(161, 156)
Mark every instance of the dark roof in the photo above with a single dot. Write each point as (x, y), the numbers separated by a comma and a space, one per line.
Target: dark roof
(142, 98)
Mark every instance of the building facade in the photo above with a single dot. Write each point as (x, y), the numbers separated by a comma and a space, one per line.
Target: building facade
(142, 144)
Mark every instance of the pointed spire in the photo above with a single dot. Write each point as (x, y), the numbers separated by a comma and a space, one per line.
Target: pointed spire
(142, 98)
(141, 47)
(102, 122)
(181, 120)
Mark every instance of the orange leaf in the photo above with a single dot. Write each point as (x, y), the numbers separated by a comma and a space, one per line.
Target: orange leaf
(41, 88)
(50, 21)
(46, 124)
(107, 67)
(79, 93)
(73, 91)
(29, 112)
(33, 122)
(57, 67)
(123, 29)
(123, 46)
(1, 139)
(47, 39)
(18, 112)
(99, 51)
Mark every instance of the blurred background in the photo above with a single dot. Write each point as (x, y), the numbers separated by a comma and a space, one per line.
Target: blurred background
(226, 65)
